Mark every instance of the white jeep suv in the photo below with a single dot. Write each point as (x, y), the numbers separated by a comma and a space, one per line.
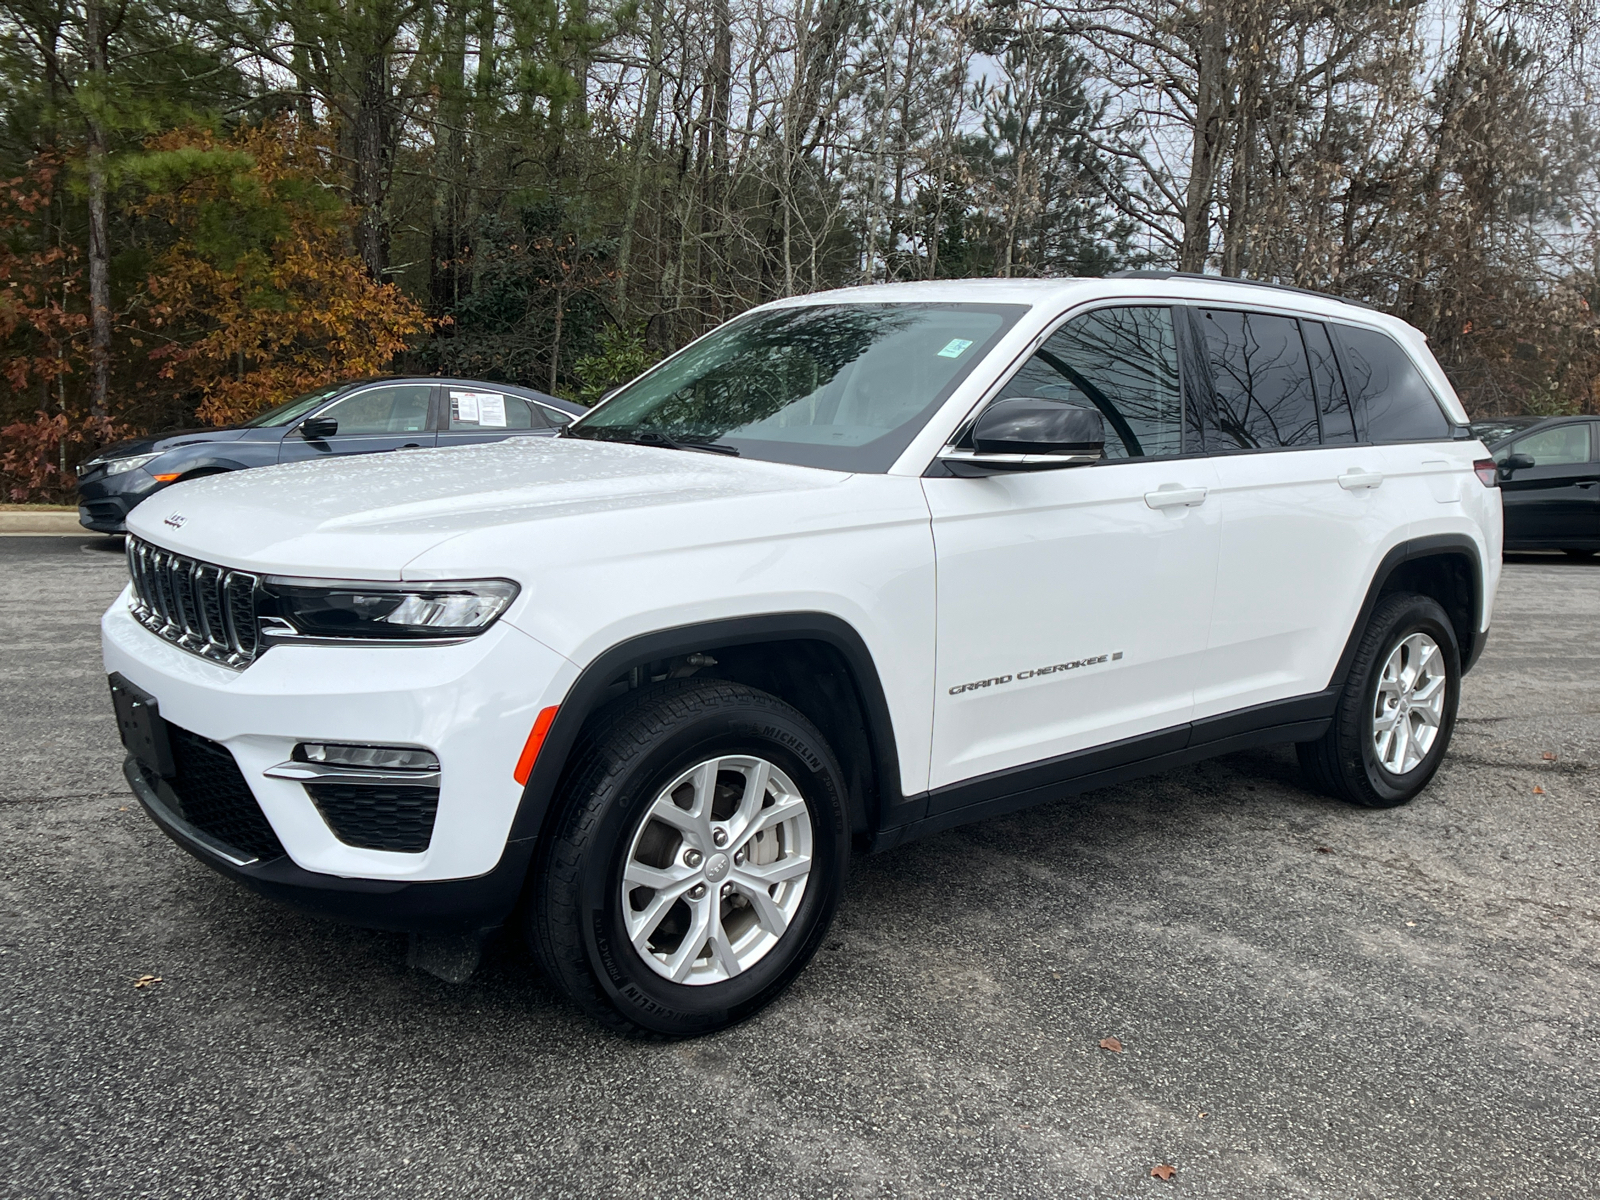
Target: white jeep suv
(852, 569)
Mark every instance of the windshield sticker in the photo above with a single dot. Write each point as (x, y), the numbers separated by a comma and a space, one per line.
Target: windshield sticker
(464, 406)
(954, 347)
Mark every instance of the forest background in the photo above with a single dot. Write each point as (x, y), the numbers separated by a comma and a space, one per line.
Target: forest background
(208, 206)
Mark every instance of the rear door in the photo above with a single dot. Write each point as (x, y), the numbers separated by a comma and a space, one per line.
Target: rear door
(1555, 502)
(1305, 508)
(469, 415)
(386, 416)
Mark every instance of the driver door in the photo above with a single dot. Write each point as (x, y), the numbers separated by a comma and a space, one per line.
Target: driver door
(1558, 498)
(389, 416)
(1074, 604)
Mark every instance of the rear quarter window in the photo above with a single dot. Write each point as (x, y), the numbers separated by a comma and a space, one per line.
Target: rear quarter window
(1391, 396)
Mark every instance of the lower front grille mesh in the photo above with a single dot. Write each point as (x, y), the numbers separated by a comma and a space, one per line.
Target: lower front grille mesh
(212, 795)
(377, 817)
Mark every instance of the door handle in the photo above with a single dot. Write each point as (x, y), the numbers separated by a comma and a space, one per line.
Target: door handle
(1355, 479)
(1175, 495)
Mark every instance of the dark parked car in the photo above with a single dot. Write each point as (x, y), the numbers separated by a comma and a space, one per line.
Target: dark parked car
(1496, 429)
(346, 418)
(1550, 481)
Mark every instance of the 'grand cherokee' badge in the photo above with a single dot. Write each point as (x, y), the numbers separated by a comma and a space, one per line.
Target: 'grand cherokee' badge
(1034, 672)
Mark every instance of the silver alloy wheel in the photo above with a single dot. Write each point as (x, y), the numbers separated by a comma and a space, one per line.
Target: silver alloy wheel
(1409, 704)
(716, 869)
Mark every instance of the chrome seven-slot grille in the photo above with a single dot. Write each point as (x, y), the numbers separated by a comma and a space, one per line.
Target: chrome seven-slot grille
(206, 609)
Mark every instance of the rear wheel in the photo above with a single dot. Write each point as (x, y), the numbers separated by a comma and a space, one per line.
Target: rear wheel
(697, 862)
(1394, 717)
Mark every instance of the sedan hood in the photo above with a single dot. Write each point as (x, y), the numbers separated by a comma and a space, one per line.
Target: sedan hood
(162, 442)
(367, 516)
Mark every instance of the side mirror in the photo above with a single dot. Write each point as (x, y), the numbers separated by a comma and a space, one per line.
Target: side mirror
(314, 429)
(1026, 433)
(1515, 462)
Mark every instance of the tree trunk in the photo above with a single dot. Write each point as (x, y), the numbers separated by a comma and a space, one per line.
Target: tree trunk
(99, 242)
(1208, 138)
(446, 240)
(372, 161)
(483, 107)
(643, 133)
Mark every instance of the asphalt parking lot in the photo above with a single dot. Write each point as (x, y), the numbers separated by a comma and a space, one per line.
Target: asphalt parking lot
(1312, 1000)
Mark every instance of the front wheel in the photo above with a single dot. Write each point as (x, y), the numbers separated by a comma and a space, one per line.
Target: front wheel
(1396, 711)
(697, 862)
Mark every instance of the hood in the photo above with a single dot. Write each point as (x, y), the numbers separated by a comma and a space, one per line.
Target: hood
(162, 442)
(366, 516)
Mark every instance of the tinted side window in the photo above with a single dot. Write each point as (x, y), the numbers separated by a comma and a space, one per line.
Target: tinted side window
(1395, 399)
(1123, 361)
(1261, 379)
(1338, 422)
(1561, 446)
(402, 408)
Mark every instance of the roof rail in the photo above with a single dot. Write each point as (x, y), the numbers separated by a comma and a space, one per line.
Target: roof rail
(1260, 283)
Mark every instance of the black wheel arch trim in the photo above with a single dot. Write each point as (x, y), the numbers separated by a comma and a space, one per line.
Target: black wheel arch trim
(588, 692)
(1445, 545)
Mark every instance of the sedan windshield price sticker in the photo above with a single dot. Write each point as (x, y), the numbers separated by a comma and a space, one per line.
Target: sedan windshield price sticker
(954, 347)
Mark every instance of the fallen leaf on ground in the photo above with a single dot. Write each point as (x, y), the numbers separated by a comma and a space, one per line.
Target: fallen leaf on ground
(1111, 1044)
(1324, 849)
(1205, 1114)
(145, 981)
(1410, 922)
(1538, 791)
(1549, 757)
(1162, 1171)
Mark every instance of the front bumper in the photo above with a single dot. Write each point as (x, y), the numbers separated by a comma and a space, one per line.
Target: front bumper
(445, 906)
(104, 501)
(471, 703)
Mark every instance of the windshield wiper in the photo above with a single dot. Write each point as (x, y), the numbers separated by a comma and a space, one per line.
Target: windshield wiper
(651, 437)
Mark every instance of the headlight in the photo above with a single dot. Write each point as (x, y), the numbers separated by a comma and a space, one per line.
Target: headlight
(116, 466)
(391, 611)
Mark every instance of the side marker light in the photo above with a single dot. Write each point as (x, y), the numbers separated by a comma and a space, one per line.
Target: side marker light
(168, 478)
(530, 749)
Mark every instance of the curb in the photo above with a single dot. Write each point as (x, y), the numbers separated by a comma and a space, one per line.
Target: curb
(42, 522)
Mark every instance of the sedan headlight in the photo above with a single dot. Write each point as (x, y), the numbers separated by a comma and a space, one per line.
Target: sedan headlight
(291, 608)
(116, 466)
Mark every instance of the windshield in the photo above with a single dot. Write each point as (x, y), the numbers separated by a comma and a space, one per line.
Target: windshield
(286, 414)
(843, 386)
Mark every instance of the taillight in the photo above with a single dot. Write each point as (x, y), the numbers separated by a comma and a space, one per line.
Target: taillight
(1486, 471)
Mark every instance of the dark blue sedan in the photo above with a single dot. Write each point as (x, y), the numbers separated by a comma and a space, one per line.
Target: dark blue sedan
(345, 418)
